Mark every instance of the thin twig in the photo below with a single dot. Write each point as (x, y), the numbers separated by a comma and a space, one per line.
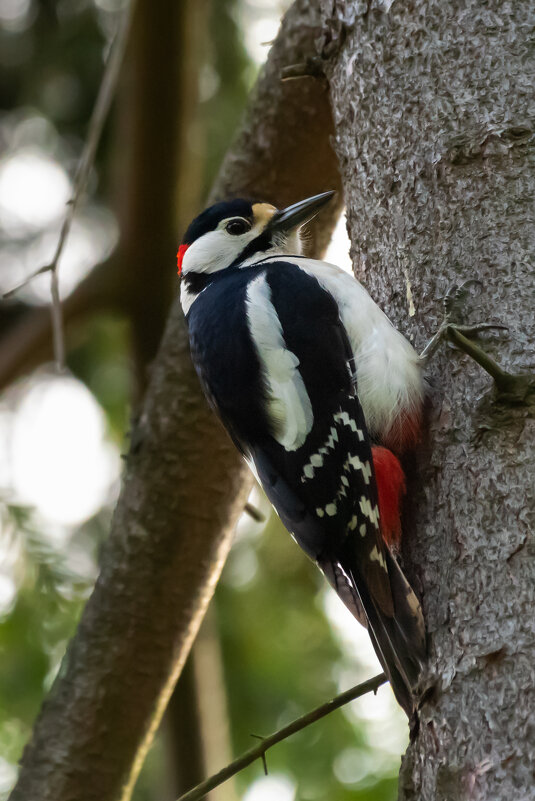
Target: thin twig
(262, 755)
(45, 269)
(98, 117)
(56, 311)
(259, 751)
(254, 513)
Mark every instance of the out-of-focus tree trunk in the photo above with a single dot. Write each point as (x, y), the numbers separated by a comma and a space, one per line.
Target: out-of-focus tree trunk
(212, 700)
(434, 112)
(197, 721)
(182, 729)
(158, 105)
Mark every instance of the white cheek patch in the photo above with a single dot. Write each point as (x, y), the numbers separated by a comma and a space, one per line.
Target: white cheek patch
(289, 407)
(217, 250)
(214, 251)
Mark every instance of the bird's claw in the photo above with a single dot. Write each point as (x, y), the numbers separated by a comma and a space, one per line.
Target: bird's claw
(472, 331)
(455, 298)
(510, 387)
(454, 301)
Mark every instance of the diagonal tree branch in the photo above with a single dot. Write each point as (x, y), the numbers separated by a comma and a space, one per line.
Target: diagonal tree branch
(259, 751)
(183, 490)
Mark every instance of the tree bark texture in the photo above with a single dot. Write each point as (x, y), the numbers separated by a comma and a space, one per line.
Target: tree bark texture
(184, 487)
(434, 105)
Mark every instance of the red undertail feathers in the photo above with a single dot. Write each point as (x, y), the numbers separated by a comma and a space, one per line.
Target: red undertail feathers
(390, 481)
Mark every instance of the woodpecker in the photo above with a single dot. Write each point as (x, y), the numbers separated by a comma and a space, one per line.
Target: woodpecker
(321, 395)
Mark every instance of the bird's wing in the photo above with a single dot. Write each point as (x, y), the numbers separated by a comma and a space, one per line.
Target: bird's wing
(328, 478)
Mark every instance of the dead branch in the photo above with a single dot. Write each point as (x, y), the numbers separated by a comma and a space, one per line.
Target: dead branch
(259, 751)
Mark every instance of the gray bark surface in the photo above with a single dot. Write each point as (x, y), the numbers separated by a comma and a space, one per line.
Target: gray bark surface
(434, 107)
(184, 487)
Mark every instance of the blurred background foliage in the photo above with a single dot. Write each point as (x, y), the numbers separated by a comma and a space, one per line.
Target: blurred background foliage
(276, 641)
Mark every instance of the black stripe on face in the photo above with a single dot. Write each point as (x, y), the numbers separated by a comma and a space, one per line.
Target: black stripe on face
(196, 282)
(260, 244)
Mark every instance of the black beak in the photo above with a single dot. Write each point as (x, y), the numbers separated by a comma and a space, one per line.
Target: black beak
(299, 213)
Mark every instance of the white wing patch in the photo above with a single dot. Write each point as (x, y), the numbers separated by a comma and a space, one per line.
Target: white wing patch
(366, 509)
(289, 407)
(316, 460)
(389, 376)
(344, 418)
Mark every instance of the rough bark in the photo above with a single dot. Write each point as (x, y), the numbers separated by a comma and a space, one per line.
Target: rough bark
(433, 105)
(183, 489)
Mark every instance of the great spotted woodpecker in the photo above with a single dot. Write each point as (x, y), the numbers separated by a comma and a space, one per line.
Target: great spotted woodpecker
(321, 394)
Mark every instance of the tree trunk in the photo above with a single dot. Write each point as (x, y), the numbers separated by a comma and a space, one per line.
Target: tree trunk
(183, 490)
(433, 105)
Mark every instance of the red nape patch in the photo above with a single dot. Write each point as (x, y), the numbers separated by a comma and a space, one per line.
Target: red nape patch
(390, 481)
(179, 256)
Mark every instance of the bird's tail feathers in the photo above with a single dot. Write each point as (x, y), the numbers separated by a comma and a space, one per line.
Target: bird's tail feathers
(399, 640)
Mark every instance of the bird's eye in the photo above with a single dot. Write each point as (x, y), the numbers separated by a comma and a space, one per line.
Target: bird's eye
(237, 226)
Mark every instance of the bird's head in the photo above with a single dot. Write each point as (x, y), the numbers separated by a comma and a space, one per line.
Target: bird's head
(239, 232)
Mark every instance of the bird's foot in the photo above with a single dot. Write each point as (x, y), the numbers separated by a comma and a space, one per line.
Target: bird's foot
(511, 388)
(454, 303)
